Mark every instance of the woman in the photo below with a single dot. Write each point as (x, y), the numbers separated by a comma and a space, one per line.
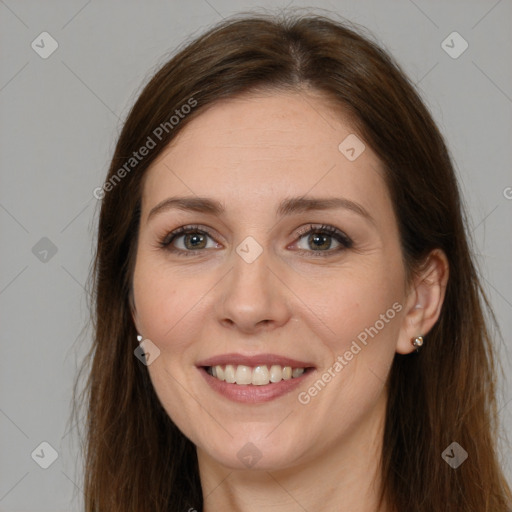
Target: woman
(287, 313)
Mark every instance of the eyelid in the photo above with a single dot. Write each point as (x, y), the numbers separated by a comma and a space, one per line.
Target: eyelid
(344, 240)
(322, 228)
(183, 230)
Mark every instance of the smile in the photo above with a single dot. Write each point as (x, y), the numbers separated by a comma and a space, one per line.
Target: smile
(257, 376)
(254, 379)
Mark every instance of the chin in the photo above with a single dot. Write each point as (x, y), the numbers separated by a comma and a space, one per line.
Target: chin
(255, 451)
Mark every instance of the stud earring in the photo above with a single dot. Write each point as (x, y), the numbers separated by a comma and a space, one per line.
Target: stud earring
(139, 338)
(417, 342)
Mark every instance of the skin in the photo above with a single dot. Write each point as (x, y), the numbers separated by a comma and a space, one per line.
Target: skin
(250, 153)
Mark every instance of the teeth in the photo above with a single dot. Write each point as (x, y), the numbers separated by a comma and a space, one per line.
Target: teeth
(229, 374)
(258, 376)
(276, 373)
(297, 372)
(243, 374)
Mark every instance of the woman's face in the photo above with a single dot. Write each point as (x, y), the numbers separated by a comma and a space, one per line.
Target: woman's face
(290, 263)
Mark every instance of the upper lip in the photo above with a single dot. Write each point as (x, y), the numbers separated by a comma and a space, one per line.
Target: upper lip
(254, 360)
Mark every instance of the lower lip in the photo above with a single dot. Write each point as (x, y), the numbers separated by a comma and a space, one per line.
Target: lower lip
(254, 394)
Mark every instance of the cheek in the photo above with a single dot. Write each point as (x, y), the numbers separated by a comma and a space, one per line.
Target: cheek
(362, 315)
(362, 312)
(356, 303)
(168, 313)
(165, 304)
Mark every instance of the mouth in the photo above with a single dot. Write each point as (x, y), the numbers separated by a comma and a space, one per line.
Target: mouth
(260, 375)
(254, 379)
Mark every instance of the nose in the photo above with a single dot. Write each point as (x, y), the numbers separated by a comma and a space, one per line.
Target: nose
(253, 297)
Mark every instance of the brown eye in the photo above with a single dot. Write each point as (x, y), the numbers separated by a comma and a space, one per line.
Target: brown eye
(326, 239)
(195, 240)
(188, 240)
(320, 241)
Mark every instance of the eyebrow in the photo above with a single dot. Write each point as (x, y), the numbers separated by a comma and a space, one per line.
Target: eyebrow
(286, 207)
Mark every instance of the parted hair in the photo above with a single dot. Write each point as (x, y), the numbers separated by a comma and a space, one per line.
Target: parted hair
(135, 458)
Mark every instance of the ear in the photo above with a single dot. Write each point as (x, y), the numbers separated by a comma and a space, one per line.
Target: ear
(424, 300)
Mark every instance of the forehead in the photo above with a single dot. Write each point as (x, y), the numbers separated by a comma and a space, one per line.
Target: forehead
(262, 147)
(285, 125)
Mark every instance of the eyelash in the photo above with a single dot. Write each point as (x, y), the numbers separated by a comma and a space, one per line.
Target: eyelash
(331, 231)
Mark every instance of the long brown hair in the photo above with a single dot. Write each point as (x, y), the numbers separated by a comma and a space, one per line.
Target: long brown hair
(135, 457)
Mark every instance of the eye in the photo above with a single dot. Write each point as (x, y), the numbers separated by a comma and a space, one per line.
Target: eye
(188, 239)
(321, 239)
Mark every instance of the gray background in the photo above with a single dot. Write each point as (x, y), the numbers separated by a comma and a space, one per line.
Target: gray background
(60, 118)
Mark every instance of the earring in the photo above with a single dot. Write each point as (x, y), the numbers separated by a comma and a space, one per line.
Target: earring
(417, 342)
(139, 338)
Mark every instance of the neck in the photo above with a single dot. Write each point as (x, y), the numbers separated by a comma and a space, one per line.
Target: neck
(346, 477)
